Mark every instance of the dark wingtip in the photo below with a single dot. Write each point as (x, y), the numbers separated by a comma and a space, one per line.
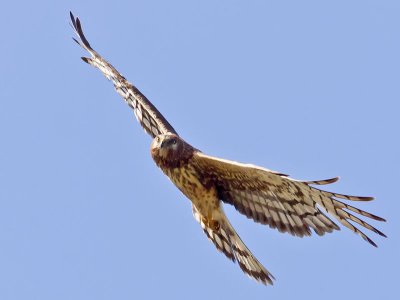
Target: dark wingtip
(322, 181)
(371, 242)
(86, 60)
(272, 277)
(377, 231)
(377, 218)
(76, 24)
(382, 234)
(367, 198)
(332, 180)
(76, 41)
(71, 15)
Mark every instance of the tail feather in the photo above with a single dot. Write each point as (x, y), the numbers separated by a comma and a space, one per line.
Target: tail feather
(246, 260)
(220, 239)
(227, 241)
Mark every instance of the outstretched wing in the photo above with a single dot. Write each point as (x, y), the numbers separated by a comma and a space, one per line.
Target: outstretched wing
(148, 116)
(287, 204)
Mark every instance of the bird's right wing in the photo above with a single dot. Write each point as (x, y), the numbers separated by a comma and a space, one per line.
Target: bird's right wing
(146, 113)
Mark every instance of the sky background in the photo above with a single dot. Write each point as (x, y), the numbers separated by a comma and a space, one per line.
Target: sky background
(308, 88)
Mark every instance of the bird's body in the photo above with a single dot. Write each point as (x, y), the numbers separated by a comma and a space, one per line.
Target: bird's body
(180, 169)
(204, 198)
(266, 196)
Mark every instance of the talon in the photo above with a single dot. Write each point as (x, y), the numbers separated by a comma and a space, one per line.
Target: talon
(214, 225)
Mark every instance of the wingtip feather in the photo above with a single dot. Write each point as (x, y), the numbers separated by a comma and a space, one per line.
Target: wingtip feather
(334, 179)
(76, 24)
(371, 242)
(323, 181)
(368, 198)
(86, 60)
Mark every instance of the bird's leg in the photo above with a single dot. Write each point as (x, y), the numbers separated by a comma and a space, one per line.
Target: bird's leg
(214, 225)
(209, 222)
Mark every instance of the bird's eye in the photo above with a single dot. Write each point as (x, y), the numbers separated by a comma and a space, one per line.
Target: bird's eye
(173, 141)
(158, 139)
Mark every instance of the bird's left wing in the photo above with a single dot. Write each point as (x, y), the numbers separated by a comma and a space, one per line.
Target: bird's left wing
(148, 116)
(284, 203)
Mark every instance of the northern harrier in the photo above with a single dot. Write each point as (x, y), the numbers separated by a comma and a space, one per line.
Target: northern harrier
(267, 197)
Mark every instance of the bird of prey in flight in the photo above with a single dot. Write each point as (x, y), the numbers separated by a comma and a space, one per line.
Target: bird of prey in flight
(267, 197)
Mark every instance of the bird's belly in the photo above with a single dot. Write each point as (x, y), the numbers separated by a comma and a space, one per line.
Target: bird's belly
(204, 198)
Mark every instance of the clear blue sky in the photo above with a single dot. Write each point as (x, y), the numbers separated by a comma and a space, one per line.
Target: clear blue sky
(308, 88)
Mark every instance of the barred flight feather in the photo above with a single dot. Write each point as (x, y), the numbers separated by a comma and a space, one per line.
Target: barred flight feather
(287, 204)
(227, 241)
(146, 113)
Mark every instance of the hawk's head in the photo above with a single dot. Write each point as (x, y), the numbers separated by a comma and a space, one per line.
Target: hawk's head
(169, 150)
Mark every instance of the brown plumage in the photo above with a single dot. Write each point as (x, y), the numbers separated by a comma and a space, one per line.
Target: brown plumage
(266, 196)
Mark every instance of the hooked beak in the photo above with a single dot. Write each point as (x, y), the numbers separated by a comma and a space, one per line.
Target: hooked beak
(166, 143)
